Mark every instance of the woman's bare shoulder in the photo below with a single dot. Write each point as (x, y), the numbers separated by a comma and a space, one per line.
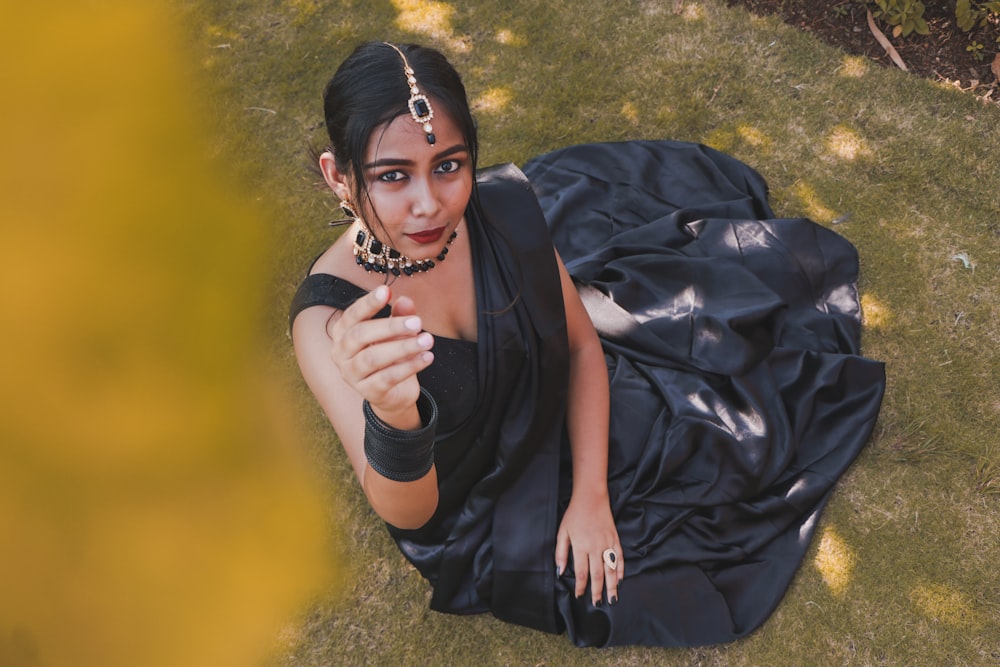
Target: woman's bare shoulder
(337, 259)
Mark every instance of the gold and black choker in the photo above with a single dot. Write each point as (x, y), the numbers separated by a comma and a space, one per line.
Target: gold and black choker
(373, 255)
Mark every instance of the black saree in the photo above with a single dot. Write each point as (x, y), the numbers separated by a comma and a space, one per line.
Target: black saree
(738, 395)
(499, 472)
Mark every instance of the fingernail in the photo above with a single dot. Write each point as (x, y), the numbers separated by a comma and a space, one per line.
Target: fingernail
(381, 292)
(412, 323)
(613, 600)
(558, 571)
(425, 340)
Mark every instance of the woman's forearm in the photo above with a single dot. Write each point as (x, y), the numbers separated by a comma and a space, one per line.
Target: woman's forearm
(587, 419)
(587, 405)
(405, 505)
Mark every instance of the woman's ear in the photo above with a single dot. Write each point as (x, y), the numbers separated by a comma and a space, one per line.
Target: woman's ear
(337, 180)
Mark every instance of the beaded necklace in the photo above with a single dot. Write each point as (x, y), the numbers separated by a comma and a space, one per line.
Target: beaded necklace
(373, 255)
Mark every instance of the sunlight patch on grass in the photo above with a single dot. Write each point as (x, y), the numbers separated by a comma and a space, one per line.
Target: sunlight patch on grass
(877, 315)
(726, 139)
(853, 67)
(753, 136)
(945, 605)
(835, 561)
(693, 11)
(220, 36)
(721, 139)
(630, 112)
(508, 38)
(846, 144)
(222, 41)
(810, 201)
(493, 100)
(428, 18)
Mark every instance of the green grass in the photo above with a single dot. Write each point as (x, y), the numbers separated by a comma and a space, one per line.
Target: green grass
(904, 570)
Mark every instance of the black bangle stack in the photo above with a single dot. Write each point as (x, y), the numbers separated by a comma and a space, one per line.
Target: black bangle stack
(402, 456)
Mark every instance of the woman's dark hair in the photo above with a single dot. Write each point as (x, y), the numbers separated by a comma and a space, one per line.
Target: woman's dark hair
(369, 89)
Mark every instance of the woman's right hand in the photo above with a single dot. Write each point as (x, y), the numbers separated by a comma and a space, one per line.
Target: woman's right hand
(380, 357)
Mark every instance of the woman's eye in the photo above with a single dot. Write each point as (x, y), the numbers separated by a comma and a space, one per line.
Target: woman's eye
(390, 176)
(449, 166)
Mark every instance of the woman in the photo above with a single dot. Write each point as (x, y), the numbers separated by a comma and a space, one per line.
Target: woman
(675, 406)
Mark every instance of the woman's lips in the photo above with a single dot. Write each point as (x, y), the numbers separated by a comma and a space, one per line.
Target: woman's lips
(428, 236)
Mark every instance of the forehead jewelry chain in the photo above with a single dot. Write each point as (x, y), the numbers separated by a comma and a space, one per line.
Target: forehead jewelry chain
(421, 110)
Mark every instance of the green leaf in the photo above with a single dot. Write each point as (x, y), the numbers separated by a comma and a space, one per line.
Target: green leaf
(964, 16)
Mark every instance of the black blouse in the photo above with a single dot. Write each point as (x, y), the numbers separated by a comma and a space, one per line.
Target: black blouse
(451, 377)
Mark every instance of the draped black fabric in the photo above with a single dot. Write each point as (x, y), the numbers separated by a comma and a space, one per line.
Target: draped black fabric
(737, 394)
(502, 465)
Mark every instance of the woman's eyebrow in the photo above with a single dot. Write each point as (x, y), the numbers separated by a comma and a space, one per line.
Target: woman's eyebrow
(402, 162)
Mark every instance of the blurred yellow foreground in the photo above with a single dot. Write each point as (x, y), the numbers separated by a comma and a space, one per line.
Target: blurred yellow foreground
(154, 509)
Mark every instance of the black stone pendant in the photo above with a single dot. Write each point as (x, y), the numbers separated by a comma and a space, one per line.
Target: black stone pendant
(421, 109)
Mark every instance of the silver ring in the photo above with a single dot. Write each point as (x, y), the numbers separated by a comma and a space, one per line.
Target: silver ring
(610, 559)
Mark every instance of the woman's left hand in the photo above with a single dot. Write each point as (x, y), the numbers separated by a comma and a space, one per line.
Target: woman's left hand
(589, 529)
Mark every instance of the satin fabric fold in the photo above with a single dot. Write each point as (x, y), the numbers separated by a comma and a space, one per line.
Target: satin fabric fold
(737, 393)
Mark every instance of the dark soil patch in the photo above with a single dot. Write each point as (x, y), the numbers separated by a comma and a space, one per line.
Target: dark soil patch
(941, 55)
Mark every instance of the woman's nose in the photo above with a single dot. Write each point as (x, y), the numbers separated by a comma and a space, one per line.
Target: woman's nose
(425, 199)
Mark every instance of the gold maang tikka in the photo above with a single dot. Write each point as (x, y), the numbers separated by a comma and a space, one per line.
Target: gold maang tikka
(421, 110)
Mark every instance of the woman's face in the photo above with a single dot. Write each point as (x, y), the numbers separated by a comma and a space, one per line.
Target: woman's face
(418, 190)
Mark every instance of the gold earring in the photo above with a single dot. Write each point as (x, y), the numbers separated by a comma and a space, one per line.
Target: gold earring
(348, 209)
